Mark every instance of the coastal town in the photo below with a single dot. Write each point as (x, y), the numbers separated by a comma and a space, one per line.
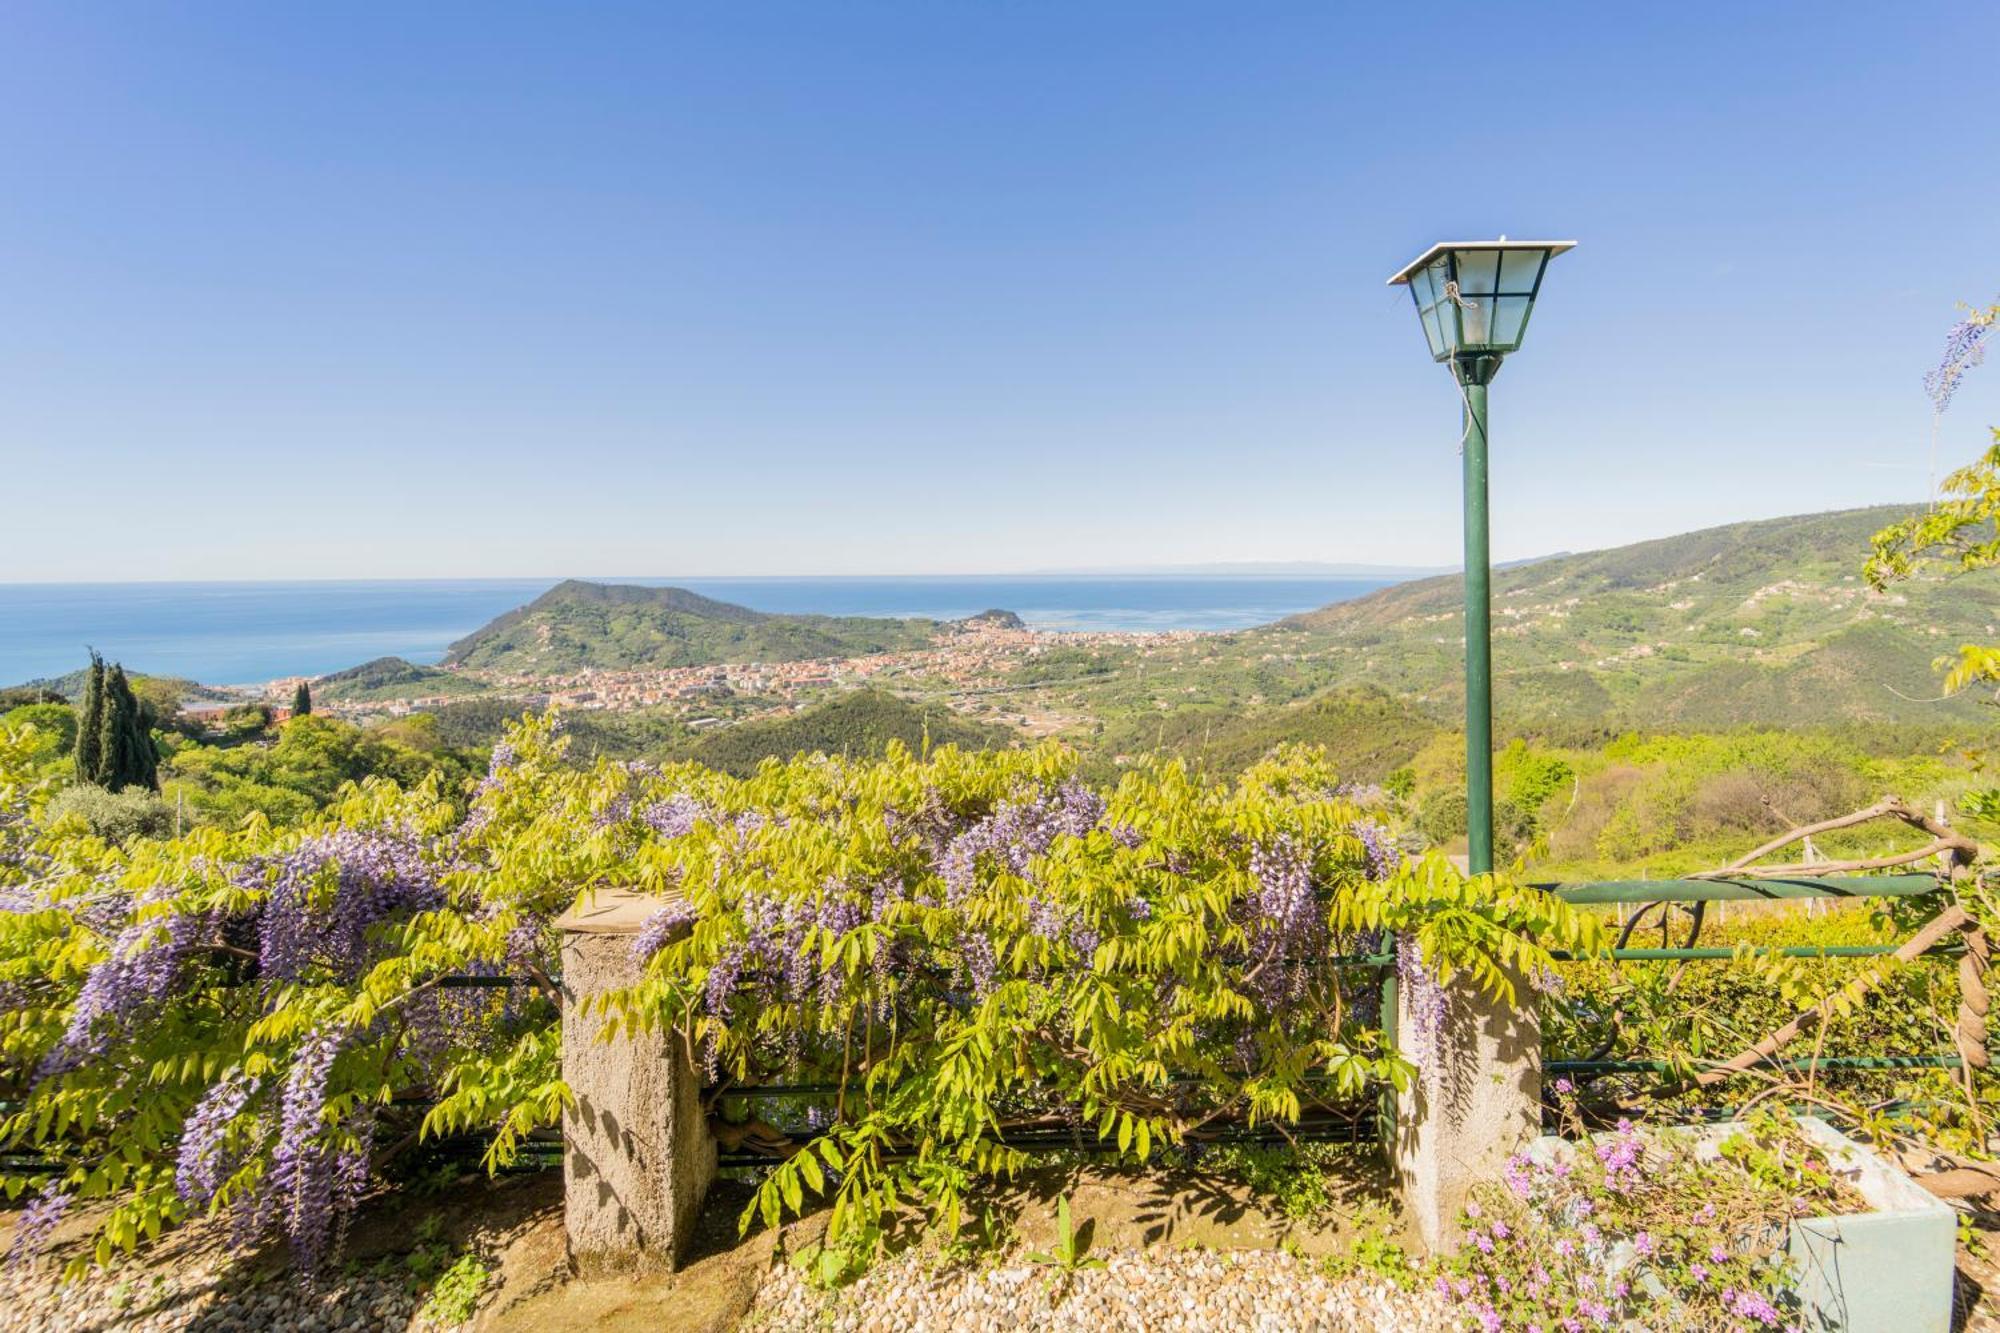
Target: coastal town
(973, 666)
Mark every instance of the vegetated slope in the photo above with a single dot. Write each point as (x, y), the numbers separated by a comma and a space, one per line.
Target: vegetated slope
(1366, 732)
(858, 724)
(164, 692)
(391, 677)
(1755, 623)
(577, 624)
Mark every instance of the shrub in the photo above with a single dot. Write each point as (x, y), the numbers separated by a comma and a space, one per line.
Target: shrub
(116, 817)
(975, 942)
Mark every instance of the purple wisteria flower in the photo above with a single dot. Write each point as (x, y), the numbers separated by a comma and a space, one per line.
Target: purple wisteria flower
(675, 817)
(1288, 934)
(1964, 348)
(202, 1163)
(330, 893)
(661, 926)
(144, 962)
(37, 1224)
(1423, 999)
(312, 1186)
(1383, 855)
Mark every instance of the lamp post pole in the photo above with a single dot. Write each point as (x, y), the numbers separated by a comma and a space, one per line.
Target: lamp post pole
(1473, 299)
(1473, 374)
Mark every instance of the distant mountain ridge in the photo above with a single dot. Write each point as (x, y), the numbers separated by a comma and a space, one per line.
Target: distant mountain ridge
(1764, 622)
(577, 624)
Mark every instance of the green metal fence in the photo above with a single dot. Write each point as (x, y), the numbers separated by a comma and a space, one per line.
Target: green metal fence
(1641, 894)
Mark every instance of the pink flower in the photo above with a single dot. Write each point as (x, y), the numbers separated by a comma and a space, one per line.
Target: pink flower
(1643, 1243)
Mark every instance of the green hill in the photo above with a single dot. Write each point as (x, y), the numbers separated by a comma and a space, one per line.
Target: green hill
(1367, 733)
(391, 678)
(858, 724)
(1763, 623)
(577, 624)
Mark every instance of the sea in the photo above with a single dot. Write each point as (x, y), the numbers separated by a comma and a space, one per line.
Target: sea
(241, 633)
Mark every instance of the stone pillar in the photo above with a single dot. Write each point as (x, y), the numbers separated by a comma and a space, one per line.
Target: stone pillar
(637, 1154)
(1476, 1098)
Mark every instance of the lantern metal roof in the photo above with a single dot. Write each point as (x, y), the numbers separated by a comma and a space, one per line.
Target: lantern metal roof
(1429, 256)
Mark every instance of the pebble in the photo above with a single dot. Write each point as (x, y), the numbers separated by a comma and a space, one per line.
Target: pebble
(1187, 1290)
(199, 1298)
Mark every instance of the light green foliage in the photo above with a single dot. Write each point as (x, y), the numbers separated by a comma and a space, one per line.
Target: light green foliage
(1292, 1177)
(1375, 1249)
(455, 1294)
(1694, 1013)
(1072, 1252)
(295, 776)
(1653, 805)
(1159, 989)
(1105, 1030)
(56, 722)
(116, 817)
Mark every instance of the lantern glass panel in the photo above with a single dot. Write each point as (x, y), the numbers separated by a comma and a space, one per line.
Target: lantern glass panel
(1431, 333)
(1423, 289)
(1521, 269)
(1478, 273)
(1510, 313)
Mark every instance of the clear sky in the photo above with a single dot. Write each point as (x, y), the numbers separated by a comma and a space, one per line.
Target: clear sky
(442, 289)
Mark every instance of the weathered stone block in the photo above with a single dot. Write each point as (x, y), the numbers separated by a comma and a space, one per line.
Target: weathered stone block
(1475, 1101)
(637, 1154)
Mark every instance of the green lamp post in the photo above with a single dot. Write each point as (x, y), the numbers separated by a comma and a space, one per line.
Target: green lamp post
(1474, 298)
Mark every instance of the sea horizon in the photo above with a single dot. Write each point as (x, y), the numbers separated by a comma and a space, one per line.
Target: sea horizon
(246, 631)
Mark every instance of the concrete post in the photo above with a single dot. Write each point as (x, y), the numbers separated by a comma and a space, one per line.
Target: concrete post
(637, 1154)
(1475, 1101)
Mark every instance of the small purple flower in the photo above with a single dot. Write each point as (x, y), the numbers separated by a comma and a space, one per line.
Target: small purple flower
(661, 926)
(37, 1224)
(675, 817)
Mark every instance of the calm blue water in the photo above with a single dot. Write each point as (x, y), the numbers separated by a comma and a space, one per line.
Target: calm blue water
(231, 633)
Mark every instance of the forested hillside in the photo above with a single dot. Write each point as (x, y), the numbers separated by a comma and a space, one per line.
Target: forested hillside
(858, 725)
(1763, 623)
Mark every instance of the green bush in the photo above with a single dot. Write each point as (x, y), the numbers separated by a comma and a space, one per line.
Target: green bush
(116, 817)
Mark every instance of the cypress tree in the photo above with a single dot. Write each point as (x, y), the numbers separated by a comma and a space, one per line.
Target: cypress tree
(90, 723)
(126, 755)
(302, 700)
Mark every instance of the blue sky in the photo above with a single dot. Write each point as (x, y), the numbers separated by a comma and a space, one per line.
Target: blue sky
(479, 289)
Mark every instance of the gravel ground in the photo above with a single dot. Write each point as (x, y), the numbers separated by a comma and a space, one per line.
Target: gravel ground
(189, 1298)
(1263, 1291)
